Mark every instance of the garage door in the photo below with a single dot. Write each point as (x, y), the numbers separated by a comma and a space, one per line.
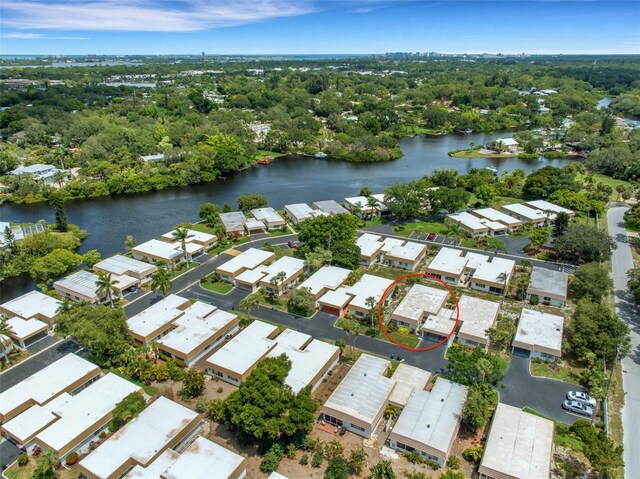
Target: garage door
(525, 353)
(330, 310)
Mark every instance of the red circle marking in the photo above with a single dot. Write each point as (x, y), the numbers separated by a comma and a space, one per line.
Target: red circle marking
(391, 286)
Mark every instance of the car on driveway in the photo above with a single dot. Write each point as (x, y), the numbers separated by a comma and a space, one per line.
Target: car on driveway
(431, 236)
(577, 407)
(292, 244)
(584, 398)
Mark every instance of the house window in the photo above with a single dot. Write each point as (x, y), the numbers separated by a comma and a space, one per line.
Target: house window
(357, 428)
(332, 420)
(493, 289)
(404, 447)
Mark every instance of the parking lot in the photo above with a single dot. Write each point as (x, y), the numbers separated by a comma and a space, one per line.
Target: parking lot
(439, 239)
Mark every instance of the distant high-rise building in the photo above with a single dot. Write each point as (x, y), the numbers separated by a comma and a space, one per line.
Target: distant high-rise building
(203, 55)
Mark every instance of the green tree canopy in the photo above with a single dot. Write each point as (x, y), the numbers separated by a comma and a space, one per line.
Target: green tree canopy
(252, 201)
(582, 243)
(591, 280)
(54, 265)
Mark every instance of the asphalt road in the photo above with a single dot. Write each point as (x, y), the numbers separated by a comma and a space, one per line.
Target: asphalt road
(628, 310)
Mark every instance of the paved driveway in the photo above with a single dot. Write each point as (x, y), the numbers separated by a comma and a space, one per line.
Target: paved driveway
(520, 389)
(9, 452)
(628, 311)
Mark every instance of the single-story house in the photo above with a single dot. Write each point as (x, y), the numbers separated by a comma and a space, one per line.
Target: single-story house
(153, 157)
(331, 207)
(44, 173)
(197, 243)
(526, 214)
(506, 144)
(437, 327)
(269, 217)
(519, 446)
(543, 205)
(157, 320)
(419, 302)
(404, 256)
(472, 225)
(162, 426)
(298, 212)
(32, 305)
(430, 421)
(407, 378)
(539, 335)
(120, 265)
(27, 331)
(247, 260)
(370, 248)
(358, 403)
(476, 316)
(362, 206)
(292, 269)
(327, 278)
(493, 276)
(80, 286)
(65, 375)
(355, 298)
(233, 223)
(448, 265)
(254, 226)
(550, 287)
(498, 217)
(155, 251)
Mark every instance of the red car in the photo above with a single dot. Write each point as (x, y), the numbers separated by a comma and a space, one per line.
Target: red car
(292, 244)
(431, 236)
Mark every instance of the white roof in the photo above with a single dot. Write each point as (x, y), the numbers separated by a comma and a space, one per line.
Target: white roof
(201, 458)
(467, 219)
(79, 415)
(141, 439)
(195, 236)
(327, 277)
(409, 251)
(442, 323)
(245, 349)
(248, 259)
(330, 206)
(288, 265)
(407, 378)
(33, 169)
(539, 329)
(337, 298)
(549, 281)
(475, 260)
(543, 205)
(448, 260)
(198, 324)
(477, 315)
(275, 475)
(519, 444)
(525, 211)
(364, 391)
(432, 418)
(120, 265)
(507, 141)
(157, 315)
(26, 425)
(420, 300)
(252, 224)
(33, 303)
(160, 249)
(25, 328)
(301, 211)
(491, 271)
(495, 215)
(368, 286)
(267, 214)
(380, 197)
(360, 202)
(46, 383)
(233, 220)
(369, 244)
(251, 276)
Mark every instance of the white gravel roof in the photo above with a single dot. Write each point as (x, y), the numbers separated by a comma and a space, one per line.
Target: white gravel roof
(268, 215)
(448, 260)
(420, 300)
(543, 205)
(25, 328)
(477, 315)
(540, 330)
(327, 277)
(368, 286)
(548, 281)
(120, 265)
(407, 378)
(369, 244)
(31, 304)
(490, 271)
(249, 259)
(157, 315)
(531, 214)
(330, 206)
(495, 215)
(290, 266)
(160, 249)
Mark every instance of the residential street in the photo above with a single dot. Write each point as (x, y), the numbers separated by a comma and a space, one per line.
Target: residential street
(628, 310)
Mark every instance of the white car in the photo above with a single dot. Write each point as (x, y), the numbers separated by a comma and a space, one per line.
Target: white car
(578, 408)
(584, 398)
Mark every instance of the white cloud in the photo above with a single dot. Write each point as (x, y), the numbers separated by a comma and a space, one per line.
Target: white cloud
(36, 36)
(146, 15)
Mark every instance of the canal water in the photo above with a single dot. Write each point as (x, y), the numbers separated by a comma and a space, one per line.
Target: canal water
(290, 179)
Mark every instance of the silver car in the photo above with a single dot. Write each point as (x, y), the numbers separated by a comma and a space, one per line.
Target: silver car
(578, 408)
(584, 398)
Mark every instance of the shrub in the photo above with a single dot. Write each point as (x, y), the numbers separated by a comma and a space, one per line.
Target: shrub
(102, 434)
(473, 454)
(176, 373)
(337, 468)
(304, 460)
(161, 372)
(23, 459)
(126, 410)
(201, 405)
(192, 384)
(318, 457)
(72, 458)
(220, 390)
(291, 451)
(453, 462)
(271, 459)
(414, 457)
(404, 331)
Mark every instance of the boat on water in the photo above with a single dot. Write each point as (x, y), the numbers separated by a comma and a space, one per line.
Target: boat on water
(320, 155)
(491, 168)
(265, 161)
(466, 131)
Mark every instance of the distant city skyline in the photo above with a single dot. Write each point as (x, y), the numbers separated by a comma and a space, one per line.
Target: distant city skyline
(270, 27)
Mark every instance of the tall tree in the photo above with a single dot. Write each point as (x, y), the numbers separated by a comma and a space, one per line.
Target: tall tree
(560, 225)
(160, 281)
(182, 234)
(57, 202)
(5, 330)
(591, 280)
(107, 286)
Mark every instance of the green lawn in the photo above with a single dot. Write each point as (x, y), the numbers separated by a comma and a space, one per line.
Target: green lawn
(262, 153)
(203, 228)
(276, 233)
(566, 374)
(220, 287)
(370, 223)
(184, 269)
(479, 154)
(423, 227)
(223, 247)
(410, 340)
(607, 180)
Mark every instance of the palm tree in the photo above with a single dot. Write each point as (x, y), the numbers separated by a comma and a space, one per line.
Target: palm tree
(373, 203)
(503, 277)
(248, 303)
(276, 280)
(371, 303)
(182, 234)
(390, 411)
(484, 368)
(454, 230)
(5, 330)
(65, 306)
(47, 465)
(59, 177)
(160, 281)
(106, 286)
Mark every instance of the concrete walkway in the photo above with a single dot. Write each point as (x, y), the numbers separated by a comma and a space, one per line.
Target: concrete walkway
(628, 310)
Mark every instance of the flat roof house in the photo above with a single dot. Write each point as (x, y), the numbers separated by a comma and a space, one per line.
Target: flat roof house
(247, 260)
(298, 212)
(370, 248)
(269, 217)
(419, 302)
(407, 378)
(497, 216)
(197, 243)
(358, 402)
(404, 255)
(507, 144)
(327, 278)
(62, 376)
(80, 286)
(539, 335)
(448, 265)
(157, 320)
(156, 251)
(331, 207)
(471, 224)
(519, 446)
(233, 222)
(368, 286)
(493, 276)
(550, 287)
(430, 421)
(26, 331)
(543, 205)
(120, 265)
(254, 226)
(163, 425)
(525, 213)
(477, 316)
(200, 329)
(33, 305)
(360, 206)
(292, 269)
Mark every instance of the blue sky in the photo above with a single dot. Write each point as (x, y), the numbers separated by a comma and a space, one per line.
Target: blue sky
(318, 26)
